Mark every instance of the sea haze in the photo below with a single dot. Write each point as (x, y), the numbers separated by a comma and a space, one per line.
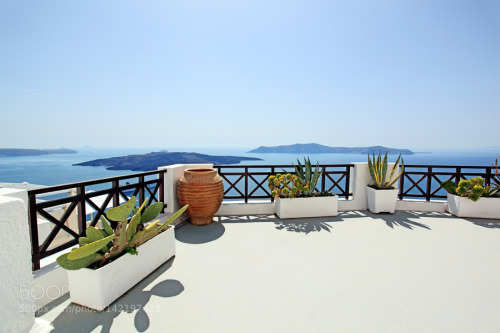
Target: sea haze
(59, 169)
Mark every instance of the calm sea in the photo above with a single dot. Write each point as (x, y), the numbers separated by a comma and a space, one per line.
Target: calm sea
(59, 169)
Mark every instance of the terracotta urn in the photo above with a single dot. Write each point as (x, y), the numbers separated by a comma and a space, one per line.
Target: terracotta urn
(203, 191)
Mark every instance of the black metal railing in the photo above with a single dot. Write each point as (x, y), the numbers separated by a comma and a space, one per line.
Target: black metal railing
(424, 181)
(250, 182)
(90, 199)
(109, 191)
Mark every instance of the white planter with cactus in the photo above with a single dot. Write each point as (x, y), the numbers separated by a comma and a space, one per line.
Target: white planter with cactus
(295, 197)
(111, 261)
(484, 208)
(382, 196)
(287, 208)
(98, 288)
(473, 198)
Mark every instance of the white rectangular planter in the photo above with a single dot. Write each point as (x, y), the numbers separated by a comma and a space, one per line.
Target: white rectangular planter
(98, 288)
(306, 207)
(382, 201)
(485, 207)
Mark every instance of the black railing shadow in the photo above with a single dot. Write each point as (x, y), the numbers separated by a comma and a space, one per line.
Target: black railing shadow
(83, 319)
(199, 234)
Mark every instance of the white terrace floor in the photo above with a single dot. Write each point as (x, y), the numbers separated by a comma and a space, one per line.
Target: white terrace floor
(358, 272)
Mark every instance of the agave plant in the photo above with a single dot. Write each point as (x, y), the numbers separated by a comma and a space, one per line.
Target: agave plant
(102, 245)
(378, 171)
(306, 177)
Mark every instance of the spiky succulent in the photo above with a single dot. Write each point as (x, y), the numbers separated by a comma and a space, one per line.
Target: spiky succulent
(472, 188)
(306, 176)
(378, 171)
(102, 245)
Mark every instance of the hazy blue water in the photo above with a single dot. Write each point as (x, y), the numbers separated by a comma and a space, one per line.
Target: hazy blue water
(59, 169)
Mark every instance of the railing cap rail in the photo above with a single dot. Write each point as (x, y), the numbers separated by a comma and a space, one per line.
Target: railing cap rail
(93, 182)
(446, 166)
(278, 166)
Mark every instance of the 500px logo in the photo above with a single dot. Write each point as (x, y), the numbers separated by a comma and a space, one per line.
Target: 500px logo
(38, 292)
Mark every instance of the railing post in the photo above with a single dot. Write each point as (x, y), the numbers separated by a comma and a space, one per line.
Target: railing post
(116, 194)
(428, 187)
(272, 173)
(323, 180)
(141, 190)
(347, 181)
(82, 214)
(457, 176)
(487, 179)
(33, 223)
(402, 184)
(161, 189)
(246, 184)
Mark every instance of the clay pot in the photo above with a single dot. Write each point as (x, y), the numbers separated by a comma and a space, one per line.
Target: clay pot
(203, 191)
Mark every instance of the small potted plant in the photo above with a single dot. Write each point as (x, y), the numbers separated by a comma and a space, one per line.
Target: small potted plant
(110, 262)
(295, 193)
(381, 195)
(473, 198)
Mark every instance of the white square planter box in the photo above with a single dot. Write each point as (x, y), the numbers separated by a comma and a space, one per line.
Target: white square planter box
(98, 288)
(382, 201)
(485, 207)
(306, 207)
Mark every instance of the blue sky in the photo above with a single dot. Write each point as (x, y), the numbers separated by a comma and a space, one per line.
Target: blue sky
(408, 74)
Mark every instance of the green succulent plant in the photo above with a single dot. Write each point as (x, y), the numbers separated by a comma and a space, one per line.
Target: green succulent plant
(282, 185)
(302, 183)
(306, 176)
(378, 171)
(472, 188)
(100, 246)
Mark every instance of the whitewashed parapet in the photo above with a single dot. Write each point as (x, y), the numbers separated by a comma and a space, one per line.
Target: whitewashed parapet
(18, 310)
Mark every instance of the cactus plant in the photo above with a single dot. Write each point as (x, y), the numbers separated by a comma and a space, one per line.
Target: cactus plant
(301, 184)
(102, 245)
(378, 171)
(472, 188)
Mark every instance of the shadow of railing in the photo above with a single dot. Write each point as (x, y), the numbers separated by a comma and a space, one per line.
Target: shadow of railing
(83, 319)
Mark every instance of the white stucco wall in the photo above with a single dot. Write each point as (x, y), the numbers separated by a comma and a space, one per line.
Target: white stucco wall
(17, 314)
(15, 193)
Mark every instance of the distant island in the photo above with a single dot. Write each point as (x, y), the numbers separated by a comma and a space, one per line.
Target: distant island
(153, 160)
(8, 152)
(314, 148)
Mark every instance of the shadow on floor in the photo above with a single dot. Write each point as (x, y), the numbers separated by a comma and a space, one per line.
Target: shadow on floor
(82, 319)
(402, 219)
(301, 225)
(199, 234)
(485, 223)
(405, 219)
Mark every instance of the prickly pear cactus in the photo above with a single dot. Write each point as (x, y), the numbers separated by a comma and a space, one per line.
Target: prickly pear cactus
(100, 246)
